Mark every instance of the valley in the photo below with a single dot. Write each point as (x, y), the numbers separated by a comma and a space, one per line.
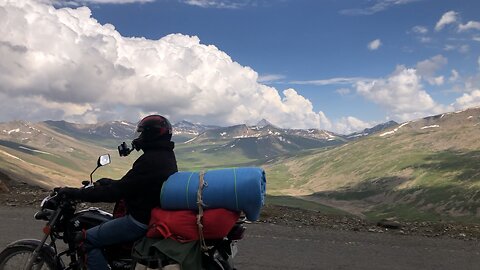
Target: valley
(425, 169)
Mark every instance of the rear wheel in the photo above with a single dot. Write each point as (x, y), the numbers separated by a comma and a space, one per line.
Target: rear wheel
(17, 257)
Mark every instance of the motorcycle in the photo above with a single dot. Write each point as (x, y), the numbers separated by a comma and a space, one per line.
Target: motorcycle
(65, 223)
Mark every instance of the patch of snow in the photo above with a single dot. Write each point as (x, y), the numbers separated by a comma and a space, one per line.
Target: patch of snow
(393, 131)
(247, 136)
(223, 134)
(470, 117)
(185, 132)
(388, 133)
(13, 130)
(33, 150)
(329, 135)
(432, 126)
(354, 136)
(113, 133)
(233, 145)
(442, 116)
(191, 140)
(403, 125)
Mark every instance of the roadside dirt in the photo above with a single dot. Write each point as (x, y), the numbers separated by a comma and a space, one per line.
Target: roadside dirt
(23, 195)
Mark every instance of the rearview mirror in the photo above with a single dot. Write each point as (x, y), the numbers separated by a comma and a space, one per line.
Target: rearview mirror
(103, 160)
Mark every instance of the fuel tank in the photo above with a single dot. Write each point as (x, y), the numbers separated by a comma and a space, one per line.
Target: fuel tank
(91, 217)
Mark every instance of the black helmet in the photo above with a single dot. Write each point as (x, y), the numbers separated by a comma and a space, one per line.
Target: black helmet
(151, 129)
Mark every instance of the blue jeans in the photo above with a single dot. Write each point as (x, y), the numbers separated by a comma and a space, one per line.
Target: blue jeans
(119, 230)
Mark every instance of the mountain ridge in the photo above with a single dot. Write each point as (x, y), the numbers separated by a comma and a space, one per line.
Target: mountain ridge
(425, 168)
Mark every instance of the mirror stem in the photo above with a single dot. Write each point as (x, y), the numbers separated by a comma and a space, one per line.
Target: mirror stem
(91, 175)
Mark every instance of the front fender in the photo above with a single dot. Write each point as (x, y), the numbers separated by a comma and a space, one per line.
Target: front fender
(33, 244)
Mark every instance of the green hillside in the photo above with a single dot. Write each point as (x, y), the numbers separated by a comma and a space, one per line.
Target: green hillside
(427, 169)
(39, 155)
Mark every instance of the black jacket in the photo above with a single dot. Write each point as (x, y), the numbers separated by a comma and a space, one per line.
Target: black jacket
(142, 184)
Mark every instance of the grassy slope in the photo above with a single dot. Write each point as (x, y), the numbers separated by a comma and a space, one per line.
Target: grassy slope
(414, 174)
(62, 161)
(202, 156)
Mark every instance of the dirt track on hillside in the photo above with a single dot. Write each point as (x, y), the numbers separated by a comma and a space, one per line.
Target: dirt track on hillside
(271, 246)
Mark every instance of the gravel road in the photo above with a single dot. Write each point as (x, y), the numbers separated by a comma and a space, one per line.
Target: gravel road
(269, 246)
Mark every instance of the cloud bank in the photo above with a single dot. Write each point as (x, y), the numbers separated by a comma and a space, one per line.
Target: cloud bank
(401, 94)
(62, 64)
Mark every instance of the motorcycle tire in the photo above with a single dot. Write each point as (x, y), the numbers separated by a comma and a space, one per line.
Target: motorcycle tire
(16, 257)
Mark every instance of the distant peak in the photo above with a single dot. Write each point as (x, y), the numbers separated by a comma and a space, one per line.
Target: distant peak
(186, 124)
(263, 123)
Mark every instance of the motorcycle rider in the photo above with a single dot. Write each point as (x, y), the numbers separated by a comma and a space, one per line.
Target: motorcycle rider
(140, 188)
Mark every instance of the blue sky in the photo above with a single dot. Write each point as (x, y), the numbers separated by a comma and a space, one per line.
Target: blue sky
(348, 64)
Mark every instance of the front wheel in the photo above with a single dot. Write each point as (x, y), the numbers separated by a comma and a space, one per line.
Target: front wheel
(16, 258)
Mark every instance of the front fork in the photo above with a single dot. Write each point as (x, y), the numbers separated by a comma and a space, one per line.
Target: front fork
(47, 230)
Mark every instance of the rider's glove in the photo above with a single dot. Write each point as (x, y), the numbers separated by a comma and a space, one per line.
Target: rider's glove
(103, 182)
(68, 193)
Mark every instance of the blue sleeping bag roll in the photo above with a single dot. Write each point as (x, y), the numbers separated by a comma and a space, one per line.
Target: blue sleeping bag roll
(237, 189)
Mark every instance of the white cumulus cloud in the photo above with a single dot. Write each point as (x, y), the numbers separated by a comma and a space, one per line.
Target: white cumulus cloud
(468, 100)
(60, 63)
(402, 94)
(447, 18)
(468, 26)
(428, 68)
(374, 44)
(350, 124)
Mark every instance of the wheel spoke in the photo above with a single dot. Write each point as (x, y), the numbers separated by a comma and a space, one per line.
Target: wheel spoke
(18, 259)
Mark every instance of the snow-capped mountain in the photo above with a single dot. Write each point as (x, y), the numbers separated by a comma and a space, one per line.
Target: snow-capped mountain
(118, 130)
(369, 131)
